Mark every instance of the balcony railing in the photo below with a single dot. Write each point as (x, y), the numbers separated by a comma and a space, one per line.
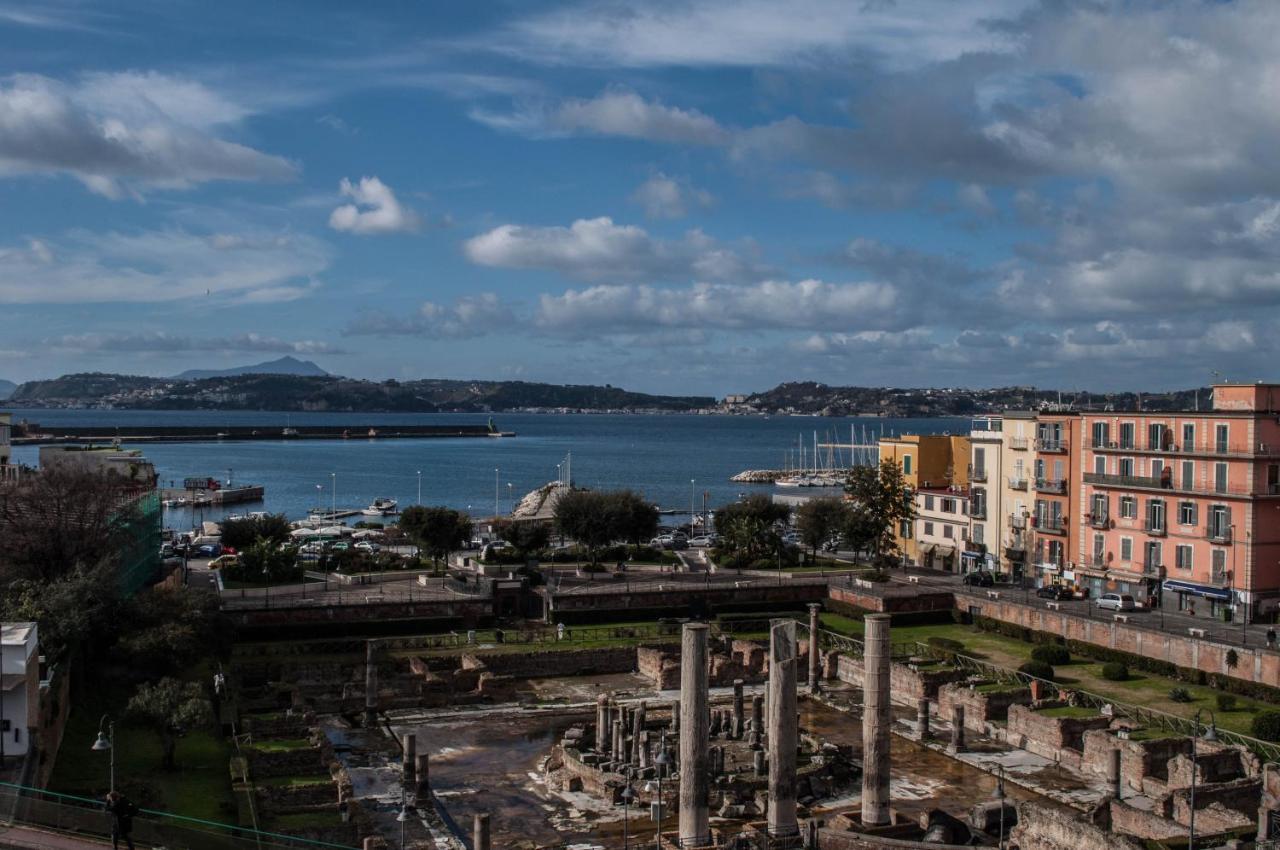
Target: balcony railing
(1015, 553)
(1016, 521)
(1017, 483)
(1152, 568)
(1050, 446)
(977, 473)
(1050, 525)
(1172, 446)
(1169, 485)
(1100, 520)
(1218, 535)
(1018, 443)
(1222, 578)
(978, 511)
(1051, 485)
(1155, 529)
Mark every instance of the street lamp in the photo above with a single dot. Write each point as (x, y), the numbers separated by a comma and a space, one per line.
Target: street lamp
(663, 761)
(998, 793)
(627, 796)
(106, 743)
(495, 492)
(419, 486)
(1211, 736)
(333, 476)
(403, 816)
(511, 498)
(692, 500)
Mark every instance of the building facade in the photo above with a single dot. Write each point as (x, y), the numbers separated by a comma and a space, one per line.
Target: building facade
(19, 687)
(1051, 521)
(926, 460)
(1184, 508)
(941, 527)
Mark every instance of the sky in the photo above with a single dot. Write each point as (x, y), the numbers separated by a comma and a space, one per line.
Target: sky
(707, 196)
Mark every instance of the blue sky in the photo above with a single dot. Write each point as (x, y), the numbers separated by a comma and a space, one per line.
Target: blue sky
(706, 196)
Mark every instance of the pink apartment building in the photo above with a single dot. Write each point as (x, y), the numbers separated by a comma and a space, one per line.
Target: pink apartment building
(1184, 508)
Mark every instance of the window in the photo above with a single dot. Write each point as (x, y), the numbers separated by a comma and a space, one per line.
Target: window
(1126, 467)
(1220, 477)
(946, 531)
(1055, 552)
(964, 532)
(1099, 508)
(1219, 522)
(979, 463)
(1100, 464)
(1128, 507)
(904, 529)
(1182, 556)
(1221, 438)
(978, 504)
(1156, 436)
(979, 535)
(1219, 564)
(906, 464)
(1126, 435)
(1273, 479)
(1155, 515)
(1186, 513)
(948, 506)
(1152, 556)
(1188, 436)
(1099, 546)
(928, 528)
(1188, 474)
(1126, 548)
(1101, 434)
(1039, 467)
(928, 503)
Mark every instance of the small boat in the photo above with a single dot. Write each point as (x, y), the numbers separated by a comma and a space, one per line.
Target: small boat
(381, 507)
(290, 432)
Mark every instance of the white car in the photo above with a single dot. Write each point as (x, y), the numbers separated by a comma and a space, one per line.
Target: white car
(366, 546)
(702, 541)
(1117, 602)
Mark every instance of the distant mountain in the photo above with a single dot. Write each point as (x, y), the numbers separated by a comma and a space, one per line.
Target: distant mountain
(283, 366)
(6, 388)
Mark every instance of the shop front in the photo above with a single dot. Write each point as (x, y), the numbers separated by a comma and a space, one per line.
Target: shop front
(1193, 598)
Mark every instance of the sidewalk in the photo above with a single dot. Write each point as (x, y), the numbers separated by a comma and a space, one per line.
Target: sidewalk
(27, 838)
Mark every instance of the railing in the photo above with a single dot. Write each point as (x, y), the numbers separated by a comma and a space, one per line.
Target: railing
(1017, 483)
(978, 511)
(87, 817)
(977, 474)
(1173, 447)
(1218, 535)
(1155, 529)
(1050, 446)
(1051, 525)
(1099, 520)
(1016, 521)
(1051, 485)
(1018, 443)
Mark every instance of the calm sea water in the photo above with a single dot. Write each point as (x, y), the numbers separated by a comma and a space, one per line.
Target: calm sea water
(656, 455)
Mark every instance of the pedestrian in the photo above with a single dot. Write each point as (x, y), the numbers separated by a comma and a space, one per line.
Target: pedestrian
(1271, 638)
(122, 813)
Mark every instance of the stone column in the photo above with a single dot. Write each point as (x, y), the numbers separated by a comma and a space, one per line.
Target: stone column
(409, 764)
(1117, 785)
(814, 660)
(782, 728)
(422, 773)
(757, 760)
(922, 718)
(738, 719)
(694, 717)
(602, 723)
(957, 729)
(643, 749)
(875, 721)
(480, 833)
(757, 721)
(619, 741)
(370, 687)
(675, 717)
(637, 726)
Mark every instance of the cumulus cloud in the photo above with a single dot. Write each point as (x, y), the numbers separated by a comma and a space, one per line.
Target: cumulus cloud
(161, 341)
(666, 197)
(617, 113)
(469, 316)
(160, 265)
(598, 249)
(374, 210)
(765, 305)
(125, 133)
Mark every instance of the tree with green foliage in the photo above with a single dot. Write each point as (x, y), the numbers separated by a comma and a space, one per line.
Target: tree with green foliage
(265, 561)
(77, 609)
(587, 518)
(751, 528)
(635, 518)
(170, 708)
(818, 520)
(880, 503)
(437, 531)
(527, 537)
(170, 629)
(243, 533)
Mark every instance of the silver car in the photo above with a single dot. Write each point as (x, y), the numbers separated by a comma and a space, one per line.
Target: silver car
(1117, 602)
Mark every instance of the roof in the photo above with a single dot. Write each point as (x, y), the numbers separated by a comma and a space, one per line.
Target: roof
(16, 634)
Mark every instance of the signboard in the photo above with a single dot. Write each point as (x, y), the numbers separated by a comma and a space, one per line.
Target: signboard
(199, 484)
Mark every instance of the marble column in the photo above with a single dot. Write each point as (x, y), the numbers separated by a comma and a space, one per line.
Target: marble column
(814, 653)
(480, 832)
(957, 729)
(370, 687)
(783, 732)
(602, 723)
(694, 716)
(922, 718)
(738, 719)
(876, 721)
(637, 726)
(757, 721)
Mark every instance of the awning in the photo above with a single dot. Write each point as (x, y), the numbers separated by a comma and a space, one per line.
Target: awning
(972, 556)
(1176, 586)
(946, 551)
(927, 548)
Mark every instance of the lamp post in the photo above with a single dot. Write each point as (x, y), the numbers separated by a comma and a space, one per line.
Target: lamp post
(627, 796)
(107, 742)
(333, 477)
(999, 795)
(1210, 735)
(419, 486)
(403, 816)
(511, 496)
(692, 500)
(319, 498)
(495, 491)
(663, 761)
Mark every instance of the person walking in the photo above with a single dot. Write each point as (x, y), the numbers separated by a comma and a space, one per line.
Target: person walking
(122, 813)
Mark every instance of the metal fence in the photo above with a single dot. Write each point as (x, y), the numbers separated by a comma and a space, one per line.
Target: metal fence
(89, 818)
(336, 592)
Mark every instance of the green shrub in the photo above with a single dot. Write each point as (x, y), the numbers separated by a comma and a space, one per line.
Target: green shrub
(1051, 654)
(1266, 725)
(1039, 669)
(1180, 695)
(1226, 702)
(1114, 671)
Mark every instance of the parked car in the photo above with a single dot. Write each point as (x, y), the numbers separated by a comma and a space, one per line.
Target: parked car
(703, 541)
(367, 546)
(208, 550)
(978, 578)
(1117, 602)
(224, 561)
(1054, 591)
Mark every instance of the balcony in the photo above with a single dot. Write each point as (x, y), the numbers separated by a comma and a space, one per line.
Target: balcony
(1153, 568)
(1051, 485)
(1218, 535)
(1017, 522)
(1050, 446)
(1101, 520)
(1221, 578)
(1017, 483)
(1155, 529)
(1219, 450)
(1050, 525)
(1147, 482)
(1019, 443)
(977, 473)
(1097, 561)
(1015, 553)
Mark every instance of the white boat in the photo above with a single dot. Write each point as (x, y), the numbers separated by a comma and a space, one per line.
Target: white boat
(381, 507)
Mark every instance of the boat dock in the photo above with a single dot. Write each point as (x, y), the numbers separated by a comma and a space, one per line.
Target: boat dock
(175, 497)
(38, 435)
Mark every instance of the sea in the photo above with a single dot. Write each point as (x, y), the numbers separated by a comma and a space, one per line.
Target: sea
(679, 461)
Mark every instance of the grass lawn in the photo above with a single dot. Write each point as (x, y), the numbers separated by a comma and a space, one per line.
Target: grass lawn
(1079, 712)
(282, 745)
(295, 781)
(199, 788)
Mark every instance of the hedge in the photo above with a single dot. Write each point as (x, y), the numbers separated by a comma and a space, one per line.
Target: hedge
(1114, 671)
(1038, 669)
(1051, 654)
(1266, 725)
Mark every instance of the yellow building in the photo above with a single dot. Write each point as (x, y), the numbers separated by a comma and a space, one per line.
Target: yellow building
(926, 460)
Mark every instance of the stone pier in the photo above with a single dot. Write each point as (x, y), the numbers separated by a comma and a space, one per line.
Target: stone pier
(922, 718)
(876, 721)
(814, 660)
(602, 723)
(739, 719)
(370, 687)
(422, 775)
(783, 731)
(957, 729)
(694, 718)
(480, 833)
(409, 763)
(757, 721)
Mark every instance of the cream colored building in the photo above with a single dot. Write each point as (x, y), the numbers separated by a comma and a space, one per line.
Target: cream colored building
(941, 527)
(1000, 465)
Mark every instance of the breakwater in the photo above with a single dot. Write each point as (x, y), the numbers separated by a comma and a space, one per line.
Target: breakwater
(36, 435)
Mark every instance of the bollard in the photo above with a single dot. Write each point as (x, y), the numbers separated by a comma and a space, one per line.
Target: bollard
(480, 833)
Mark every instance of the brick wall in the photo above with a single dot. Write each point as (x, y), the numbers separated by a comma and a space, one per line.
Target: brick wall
(1144, 765)
(739, 659)
(1041, 828)
(1059, 738)
(905, 684)
(979, 708)
(1143, 824)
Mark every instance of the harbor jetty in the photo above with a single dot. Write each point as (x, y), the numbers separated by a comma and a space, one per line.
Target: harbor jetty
(30, 434)
(761, 476)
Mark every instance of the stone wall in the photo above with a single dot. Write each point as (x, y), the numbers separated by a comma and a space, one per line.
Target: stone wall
(1058, 738)
(979, 708)
(1214, 763)
(729, 660)
(1143, 824)
(891, 598)
(1041, 828)
(1144, 765)
(906, 684)
(1219, 807)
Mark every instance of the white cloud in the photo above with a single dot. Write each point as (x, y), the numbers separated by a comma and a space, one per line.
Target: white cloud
(616, 113)
(159, 265)
(469, 316)
(598, 249)
(665, 197)
(761, 306)
(124, 133)
(375, 210)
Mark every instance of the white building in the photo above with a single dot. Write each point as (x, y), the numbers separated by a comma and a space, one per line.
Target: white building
(19, 686)
(941, 526)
